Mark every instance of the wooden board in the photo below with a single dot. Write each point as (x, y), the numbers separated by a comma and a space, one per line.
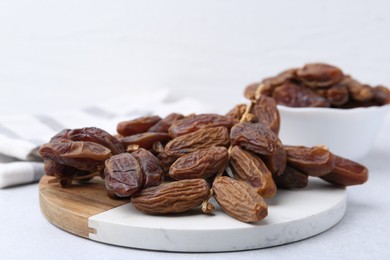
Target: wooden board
(70, 208)
(87, 211)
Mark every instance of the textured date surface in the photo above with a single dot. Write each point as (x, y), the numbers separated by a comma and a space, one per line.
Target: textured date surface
(163, 125)
(250, 168)
(259, 139)
(90, 134)
(239, 200)
(346, 173)
(202, 163)
(255, 137)
(171, 197)
(203, 138)
(195, 122)
(123, 175)
(86, 156)
(266, 112)
(137, 126)
(314, 161)
(153, 175)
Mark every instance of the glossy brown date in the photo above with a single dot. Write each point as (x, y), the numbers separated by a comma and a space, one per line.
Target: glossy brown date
(203, 138)
(150, 167)
(314, 161)
(137, 126)
(346, 173)
(123, 175)
(196, 122)
(203, 163)
(250, 168)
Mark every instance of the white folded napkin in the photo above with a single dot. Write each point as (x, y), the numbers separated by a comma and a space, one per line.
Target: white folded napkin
(21, 136)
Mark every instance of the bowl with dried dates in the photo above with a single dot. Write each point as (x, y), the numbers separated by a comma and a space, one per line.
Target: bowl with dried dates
(321, 105)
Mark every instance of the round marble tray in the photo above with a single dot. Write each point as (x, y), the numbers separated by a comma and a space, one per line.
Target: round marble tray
(86, 210)
(293, 215)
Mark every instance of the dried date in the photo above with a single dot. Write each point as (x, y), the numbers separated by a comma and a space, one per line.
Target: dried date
(137, 126)
(150, 167)
(171, 197)
(86, 156)
(123, 175)
(267, 113)
(314, 161)
(346, 173)
(239, 200)
(202, 163)
(196, 122)
(203, 138)
(250, 168)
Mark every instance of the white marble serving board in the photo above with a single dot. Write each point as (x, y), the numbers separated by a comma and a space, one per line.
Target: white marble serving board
(292, 216)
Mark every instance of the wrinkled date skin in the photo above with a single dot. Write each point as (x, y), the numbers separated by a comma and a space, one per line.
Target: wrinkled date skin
(203, 163)
(266, 112)
(239, 200)
(203, 138)
(314, 161)
(150, 166)
(123, 175)
(346, 173)
(91, 134)
(259, 139)
(137, 126)
(250, 168)
(145, 140)
(163, 125)
(291, 179)
(196, 122)
(172, 197)
(86, 156)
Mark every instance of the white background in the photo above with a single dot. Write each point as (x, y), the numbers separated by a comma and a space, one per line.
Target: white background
(58, 54)
(72, 53)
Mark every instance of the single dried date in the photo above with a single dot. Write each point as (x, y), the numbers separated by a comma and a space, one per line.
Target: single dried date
(267, 113)
(202, 163)
(137, 126)
(203, 138)
(314, 161)
(150, 166)
(196, 122)
(239, 200)
(250, 168)
(171, 197)
(91, 134)
(346, 173)
(123, 175)
(86, 156)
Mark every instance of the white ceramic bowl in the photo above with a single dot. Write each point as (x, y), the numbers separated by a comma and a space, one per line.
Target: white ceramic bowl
(347, 132)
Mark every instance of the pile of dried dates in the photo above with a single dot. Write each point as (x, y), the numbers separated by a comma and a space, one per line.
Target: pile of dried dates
(320, 85)
(177, 163)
